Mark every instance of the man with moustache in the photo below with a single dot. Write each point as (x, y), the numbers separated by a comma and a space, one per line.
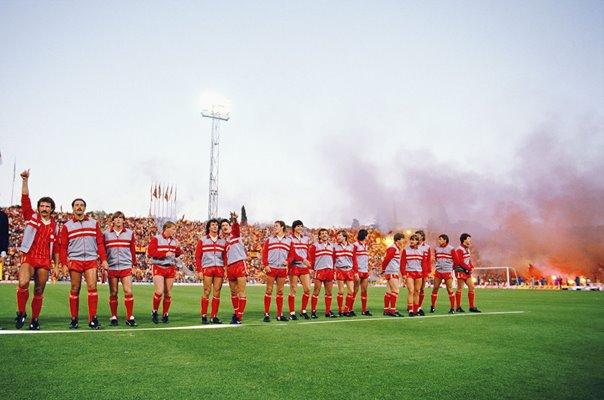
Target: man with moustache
(81, 246)
(37, 249)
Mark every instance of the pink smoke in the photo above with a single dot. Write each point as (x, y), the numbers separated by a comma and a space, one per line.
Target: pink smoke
(546, 210)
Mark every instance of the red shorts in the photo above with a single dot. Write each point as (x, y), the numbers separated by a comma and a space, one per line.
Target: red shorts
(297, 271)
(168, 272)
(342, 275)
(443, 275)
(119, 273)
(36, 262)
(463, 276)
(216, 272)
(391, 276)
(426, 274)
(81, 266)
(363, 275)
(277, 272)
(415, 275)
(324, 275)
(237, 270)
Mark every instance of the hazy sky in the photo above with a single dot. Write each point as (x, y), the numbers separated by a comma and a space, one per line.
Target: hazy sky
(100, 100)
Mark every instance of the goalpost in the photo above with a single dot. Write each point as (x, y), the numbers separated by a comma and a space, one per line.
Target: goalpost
(501, 269)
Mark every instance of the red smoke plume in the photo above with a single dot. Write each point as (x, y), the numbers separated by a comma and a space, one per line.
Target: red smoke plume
(546, 210)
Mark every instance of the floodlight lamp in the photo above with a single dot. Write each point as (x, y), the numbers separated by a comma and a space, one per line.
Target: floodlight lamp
(215, 106)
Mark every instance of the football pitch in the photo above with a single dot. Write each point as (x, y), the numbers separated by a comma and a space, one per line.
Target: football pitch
(525, 345)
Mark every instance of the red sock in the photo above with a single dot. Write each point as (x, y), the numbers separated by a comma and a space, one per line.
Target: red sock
(458, 298)
(434, 297)
(305, 297)
(74, 304)
(291, 301)
(471, 298)
(422, 294)
(204, 306)
(113, 306)
(340, 299)
(235, 303)
(452, 299)
(166, 305)
(415, 308)
(156, 300)
(410, 307)
(241, 308)
(22, 296)
(215, 305)
(36, 305)
(313, 303)
(349, 301)
(93, 302)
(267, 302)
(393, 298)
(387, 302)
(327, 304)
(354, 297)
(129, 303)
(364, 301)
(279, 304)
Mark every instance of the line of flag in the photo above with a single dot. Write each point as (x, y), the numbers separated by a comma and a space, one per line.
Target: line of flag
(167, 192)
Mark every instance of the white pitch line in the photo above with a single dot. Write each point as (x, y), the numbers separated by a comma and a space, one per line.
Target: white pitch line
(411, 318)
(223, 326)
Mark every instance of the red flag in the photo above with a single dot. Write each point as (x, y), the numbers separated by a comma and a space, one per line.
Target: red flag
(155, 191)
(159, 190)
(166, 195)
(171, 188)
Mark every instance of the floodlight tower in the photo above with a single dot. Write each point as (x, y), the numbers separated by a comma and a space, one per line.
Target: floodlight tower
(217, 113)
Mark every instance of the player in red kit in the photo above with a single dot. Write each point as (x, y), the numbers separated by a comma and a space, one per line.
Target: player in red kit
(121, 256)
(463, 271)
(37, 248)
(210, 260)
(391, 268)
(236, 260)
(275, 259)
(444, 254)
(81, 246)
(361, 268)
(163, 250)
(412, 258)
(426, 269)
(344, 268)
(299, 270)
(322, 258)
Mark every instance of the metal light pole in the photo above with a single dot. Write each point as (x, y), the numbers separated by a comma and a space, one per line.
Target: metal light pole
(217, 113)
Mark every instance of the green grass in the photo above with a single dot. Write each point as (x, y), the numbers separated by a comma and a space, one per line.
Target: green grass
(553, 350)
